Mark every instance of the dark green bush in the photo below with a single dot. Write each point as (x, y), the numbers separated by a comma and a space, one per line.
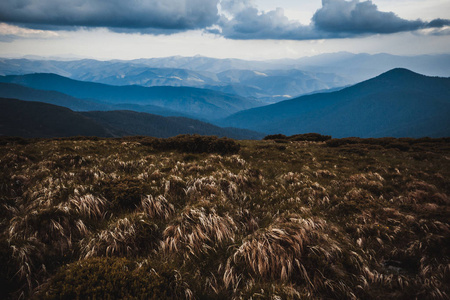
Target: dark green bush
(78, 138)
(355, 149)
(194, 144)
(7, 269)
(281, 141)
(399, 145)
(108, 278)
(402, 144)
(275, 137)
(125, 193)
(4, 140)
(310, 137)
(342, 142)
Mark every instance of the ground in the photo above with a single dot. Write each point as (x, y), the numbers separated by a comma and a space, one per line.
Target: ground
(206, 218)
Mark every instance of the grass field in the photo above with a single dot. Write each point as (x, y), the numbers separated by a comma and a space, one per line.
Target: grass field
(204, 218)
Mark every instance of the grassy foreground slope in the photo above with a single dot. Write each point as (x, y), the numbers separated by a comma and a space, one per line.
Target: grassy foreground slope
(218, 219)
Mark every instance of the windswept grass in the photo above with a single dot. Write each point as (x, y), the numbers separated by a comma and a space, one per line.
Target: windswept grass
(301, 217)
(157, 207)
(126, 237)
(197, 232)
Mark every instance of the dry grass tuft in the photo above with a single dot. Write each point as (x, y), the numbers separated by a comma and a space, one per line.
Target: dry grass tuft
(198, 232)
(157, 207)
(275, 252)
(126, 237)
(89, 206)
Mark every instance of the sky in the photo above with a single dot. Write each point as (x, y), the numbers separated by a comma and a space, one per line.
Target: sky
(247, 29)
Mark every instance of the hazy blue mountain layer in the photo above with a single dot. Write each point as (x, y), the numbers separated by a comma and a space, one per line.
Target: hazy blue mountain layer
(16, 91)
(178, 72)
(200, 103)
(398, 103)
(37, 119)
(136, 123)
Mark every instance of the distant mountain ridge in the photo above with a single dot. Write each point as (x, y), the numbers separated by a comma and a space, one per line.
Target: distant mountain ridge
(137, 123)
(16, 91)
(341, 63)
(398, 103)
(359, 66)
(363, 66)
(190, 72)
(37, 119)
(198, 103)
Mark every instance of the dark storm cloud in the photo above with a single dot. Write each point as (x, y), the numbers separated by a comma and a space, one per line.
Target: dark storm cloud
(130, 14)
(438, 23)
(240, 19)
(354, 17)
(336, 19)
(251, 24)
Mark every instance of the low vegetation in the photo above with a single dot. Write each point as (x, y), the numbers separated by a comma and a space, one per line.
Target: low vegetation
(303, 217)
(311, 137)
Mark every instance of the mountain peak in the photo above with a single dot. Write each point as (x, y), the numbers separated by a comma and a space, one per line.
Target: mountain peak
(399, 76)
(397, 103)
(399, 72)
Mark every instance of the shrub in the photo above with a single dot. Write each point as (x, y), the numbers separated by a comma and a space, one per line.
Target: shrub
(342, 142)
(124, 193)
(275, 137)
(195, 144)
(309, 137)
(398, 145)
(78, 138)
(109, 278)
(5, 140)
(402, 144)
(7, 284)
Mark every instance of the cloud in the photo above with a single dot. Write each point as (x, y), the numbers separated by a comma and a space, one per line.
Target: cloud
(8, 33)
(349, 18)
(335, 19)
(233, 19)
(173, 15)
(235, 6)
(249, 23)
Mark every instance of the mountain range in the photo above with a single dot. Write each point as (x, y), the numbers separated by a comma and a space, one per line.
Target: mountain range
(267, 81)
(398, 103)
(37, 119)
(363, 66)
(194, 102)
(357, 67)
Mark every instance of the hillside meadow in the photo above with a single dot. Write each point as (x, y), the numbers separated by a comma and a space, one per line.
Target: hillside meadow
(191, 217)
